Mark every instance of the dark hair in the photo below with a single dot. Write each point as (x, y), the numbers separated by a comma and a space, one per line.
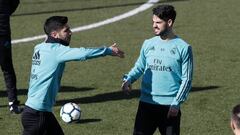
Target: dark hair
(54, 23)
(165, 12)
(236, 115)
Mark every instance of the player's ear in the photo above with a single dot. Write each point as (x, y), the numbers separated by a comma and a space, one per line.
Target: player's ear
(232, 125)
(170, 22)
(54, 34)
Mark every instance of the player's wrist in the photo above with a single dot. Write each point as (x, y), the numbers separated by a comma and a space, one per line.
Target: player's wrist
(175, 104)
(126, 79)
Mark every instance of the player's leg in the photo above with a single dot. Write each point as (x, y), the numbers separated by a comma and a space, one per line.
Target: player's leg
(169, 126)
(145, 122)
(33, 122)
(9, 75)
(53, 127)
(40, 123)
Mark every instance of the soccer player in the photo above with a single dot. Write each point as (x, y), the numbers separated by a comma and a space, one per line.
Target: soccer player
(48, 63)
(235, 120)
(166, 64)
(7, 8)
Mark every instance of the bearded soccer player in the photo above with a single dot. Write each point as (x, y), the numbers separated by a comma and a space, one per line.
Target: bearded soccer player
(48, 63)
(166, 63)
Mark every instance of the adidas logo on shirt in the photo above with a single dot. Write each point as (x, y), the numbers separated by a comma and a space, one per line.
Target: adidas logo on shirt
(36, 58)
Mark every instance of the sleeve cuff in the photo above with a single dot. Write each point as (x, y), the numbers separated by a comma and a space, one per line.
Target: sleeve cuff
(108, 51)
(175, 104)
(126, 78)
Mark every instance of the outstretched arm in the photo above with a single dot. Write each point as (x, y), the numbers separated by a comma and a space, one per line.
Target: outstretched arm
(66, 53)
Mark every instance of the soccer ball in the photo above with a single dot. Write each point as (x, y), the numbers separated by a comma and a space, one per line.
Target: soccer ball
(70, 112)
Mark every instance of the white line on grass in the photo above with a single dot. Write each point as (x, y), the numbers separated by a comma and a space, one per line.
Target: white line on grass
(135, 11)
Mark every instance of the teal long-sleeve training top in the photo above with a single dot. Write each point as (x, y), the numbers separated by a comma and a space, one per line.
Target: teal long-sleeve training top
(48, 64)
(167, 68)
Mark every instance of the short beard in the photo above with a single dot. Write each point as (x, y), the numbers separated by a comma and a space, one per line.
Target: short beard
(163, 33)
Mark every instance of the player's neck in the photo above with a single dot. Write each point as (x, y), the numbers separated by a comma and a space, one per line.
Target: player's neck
(51, 39)
(168, 36)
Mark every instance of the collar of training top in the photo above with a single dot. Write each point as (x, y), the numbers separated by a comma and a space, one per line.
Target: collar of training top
(51, 39)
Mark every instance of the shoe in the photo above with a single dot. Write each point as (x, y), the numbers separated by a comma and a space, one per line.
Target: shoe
(14, 108)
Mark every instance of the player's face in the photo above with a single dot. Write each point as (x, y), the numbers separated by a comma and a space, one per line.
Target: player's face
(65, 34)
(160, 27)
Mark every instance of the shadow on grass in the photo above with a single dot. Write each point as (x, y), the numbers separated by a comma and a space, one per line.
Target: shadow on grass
(119, 95)
(47, 2)
(75, 89)
(197, 89)
(83, 121)
(113, 96)
(90, 8)
(3, 93)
